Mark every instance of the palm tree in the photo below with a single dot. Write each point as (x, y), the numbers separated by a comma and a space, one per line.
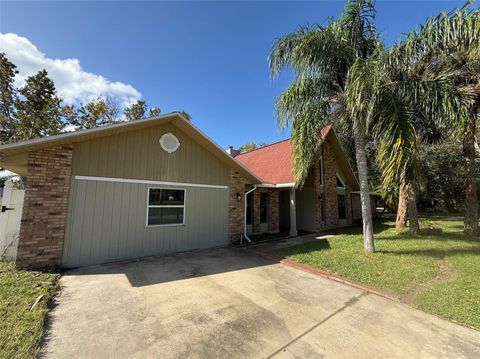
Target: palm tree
(321, 58)
(410, 95)
(450, 44)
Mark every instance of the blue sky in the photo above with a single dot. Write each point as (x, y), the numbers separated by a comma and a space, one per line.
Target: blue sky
(207, 58)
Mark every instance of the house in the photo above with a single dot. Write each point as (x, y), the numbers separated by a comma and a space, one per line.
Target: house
(159, 185)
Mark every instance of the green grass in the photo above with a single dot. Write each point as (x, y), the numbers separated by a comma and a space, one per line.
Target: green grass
(438, 271)
(21, 328)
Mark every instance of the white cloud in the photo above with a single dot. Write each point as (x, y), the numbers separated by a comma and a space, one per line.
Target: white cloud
(72, 82)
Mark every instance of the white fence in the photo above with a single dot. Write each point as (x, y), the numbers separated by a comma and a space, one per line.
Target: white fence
(10, 217)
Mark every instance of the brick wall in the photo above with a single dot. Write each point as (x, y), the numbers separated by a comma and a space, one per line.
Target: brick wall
(236, 215)
(45, 207)
(273, 211)
(330, 186)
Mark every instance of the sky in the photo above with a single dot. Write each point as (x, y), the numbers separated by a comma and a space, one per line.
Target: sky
(206, 58)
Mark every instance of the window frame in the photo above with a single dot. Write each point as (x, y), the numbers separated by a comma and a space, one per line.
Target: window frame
(166, 206)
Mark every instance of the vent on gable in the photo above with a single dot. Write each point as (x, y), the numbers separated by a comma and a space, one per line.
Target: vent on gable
(169, 142)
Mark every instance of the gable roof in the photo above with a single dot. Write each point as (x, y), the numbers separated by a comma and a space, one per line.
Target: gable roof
(274, 165)
(14, 156)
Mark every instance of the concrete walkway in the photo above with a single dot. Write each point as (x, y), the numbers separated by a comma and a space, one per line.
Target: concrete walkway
(230, 303)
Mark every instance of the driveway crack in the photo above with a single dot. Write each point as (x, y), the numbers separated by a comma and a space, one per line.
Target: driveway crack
(347, 304)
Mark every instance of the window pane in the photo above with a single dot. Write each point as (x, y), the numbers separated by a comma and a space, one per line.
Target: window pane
(165, 216)
(341, 207)
(158, 196)
(154, 196)
(339, 183)
(172, 197)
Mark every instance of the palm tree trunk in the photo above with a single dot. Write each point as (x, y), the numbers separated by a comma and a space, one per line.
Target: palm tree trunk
(361, 156)
(470, 223)
(401, 221)
(412, 209)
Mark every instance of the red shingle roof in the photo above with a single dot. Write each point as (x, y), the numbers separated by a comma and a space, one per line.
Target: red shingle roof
(273, 163)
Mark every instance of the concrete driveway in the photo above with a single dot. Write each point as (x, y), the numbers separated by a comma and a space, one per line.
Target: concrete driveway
(228, 303)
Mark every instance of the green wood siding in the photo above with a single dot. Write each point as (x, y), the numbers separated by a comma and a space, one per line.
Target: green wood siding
(138, 155)
(108, 222)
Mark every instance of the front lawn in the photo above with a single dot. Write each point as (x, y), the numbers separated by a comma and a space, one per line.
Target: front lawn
(21, 328)
(437, 271)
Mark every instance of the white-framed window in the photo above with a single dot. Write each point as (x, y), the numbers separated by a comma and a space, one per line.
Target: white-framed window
(340, 183)
(165, 206)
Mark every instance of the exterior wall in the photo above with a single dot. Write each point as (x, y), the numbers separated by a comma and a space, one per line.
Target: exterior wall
(330, 196)
(273, 210)
(330, 186)
(357, 209)
(45, 206)
(108, 222)
(236, 211)
(305, 207)
(137, 155)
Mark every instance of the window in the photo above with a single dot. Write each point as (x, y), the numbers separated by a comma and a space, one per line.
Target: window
(341, 207)
(165, 206)
(320, 165)
(340, 183)
(263, 207)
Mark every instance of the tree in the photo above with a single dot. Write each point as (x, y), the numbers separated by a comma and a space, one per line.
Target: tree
(186, 115)
(154, 111)
(411, 96)
(450, 44)
(321, 57)
(136, 111)
(8, 95)
(441, 189)
(249, 146)
(38, 108)
(95, 113)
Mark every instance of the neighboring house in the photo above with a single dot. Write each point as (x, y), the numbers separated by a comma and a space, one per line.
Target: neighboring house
(159, 185)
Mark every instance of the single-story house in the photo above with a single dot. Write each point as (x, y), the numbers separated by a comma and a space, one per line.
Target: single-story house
(159, 185)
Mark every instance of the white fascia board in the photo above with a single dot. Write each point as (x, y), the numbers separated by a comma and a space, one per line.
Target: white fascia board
(279, 185)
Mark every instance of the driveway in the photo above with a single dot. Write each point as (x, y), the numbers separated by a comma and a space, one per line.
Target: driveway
(227, 303)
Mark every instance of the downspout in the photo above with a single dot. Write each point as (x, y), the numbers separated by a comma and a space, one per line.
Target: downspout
(245, 217)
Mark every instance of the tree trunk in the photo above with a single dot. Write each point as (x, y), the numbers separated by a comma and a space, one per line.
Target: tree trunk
(412, 209)
(470, 223)
(401, 221)
(361, 156)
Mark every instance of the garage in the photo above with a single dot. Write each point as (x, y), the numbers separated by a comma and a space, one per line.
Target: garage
(114, 219)
(128, 190)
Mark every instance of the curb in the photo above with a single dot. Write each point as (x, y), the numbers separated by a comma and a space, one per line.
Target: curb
(325, 274)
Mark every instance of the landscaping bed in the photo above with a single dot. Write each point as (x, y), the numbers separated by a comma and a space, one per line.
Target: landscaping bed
(436, 271)
(24, 300)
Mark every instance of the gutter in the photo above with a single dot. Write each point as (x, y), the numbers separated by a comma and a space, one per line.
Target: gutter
(245, 218)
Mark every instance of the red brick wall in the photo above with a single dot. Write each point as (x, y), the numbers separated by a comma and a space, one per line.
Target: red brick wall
(273, 214)
(236, 215)
(330, 186)
(44, 214)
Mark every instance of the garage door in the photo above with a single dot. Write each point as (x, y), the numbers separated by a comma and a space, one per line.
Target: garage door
(111, 220)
